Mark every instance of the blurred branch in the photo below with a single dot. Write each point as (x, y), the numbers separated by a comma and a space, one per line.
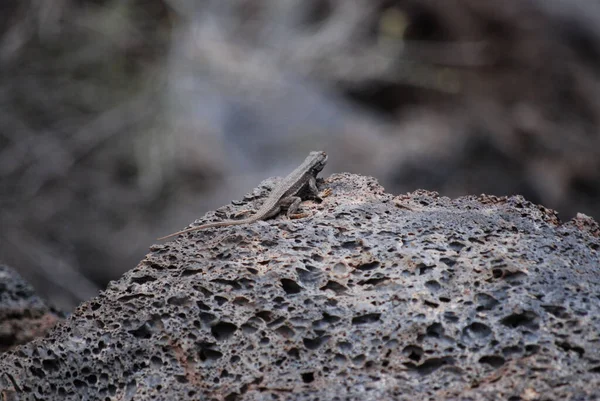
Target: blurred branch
(54, 268)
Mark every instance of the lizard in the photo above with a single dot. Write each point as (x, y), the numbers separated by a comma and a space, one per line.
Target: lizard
(299, 184)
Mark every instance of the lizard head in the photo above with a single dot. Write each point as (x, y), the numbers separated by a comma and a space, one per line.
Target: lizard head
(318, 160)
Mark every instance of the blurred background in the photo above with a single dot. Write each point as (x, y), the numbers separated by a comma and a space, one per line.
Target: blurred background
(125, 120)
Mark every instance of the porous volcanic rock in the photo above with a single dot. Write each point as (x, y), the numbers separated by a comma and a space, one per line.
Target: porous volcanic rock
(23, 315)
(372, 297)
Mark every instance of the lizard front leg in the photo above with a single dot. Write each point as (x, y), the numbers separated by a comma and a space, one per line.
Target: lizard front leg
(292, 203)
(313, 191)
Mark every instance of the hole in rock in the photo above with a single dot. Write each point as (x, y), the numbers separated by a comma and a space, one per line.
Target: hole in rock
(290, 286)
(494, 361)
(308, 377)
(366, 319)
(223, 330)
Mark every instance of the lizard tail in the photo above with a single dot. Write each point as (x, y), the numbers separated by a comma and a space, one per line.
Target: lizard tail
(209, 225)
(174, 234)
(189, 230)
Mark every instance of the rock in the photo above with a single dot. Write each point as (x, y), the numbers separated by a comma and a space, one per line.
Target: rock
(372, 297)
(23, 315)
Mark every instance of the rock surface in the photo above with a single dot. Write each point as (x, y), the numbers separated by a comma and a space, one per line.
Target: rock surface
(372, 297)
(23, 315)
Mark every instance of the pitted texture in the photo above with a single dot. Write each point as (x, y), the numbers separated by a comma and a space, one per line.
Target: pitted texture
(23, 315)
(372, 297)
